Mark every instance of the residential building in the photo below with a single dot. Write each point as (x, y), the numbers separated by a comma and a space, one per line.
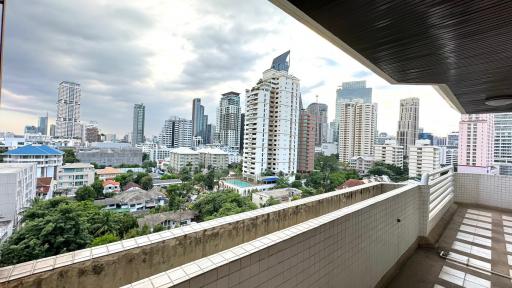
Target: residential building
(449, 156)
(349, 92)
(453, 139)
(110, 156)
(31, 129)
(390, 153)
(332, 133)
(45, 187)
(408, 124)
(357, 129)
(439, 141)
(139, 118)
(159, 153)
(383, 137)
(47, 159)
(361, 163)
(53, 128)
(283, 195)
(423, 158)
(17, 192)
(503, 143)
(177, 132)
(228, 120)
(213, 157)
(328, 149)
(476, 144)
(42, 126)
(108, 173)
(133, 200)
(426, 136)
(111, 186)
(306, 142)
(199, 121)
(271, 122)
(319, 112)
(73, 176)
(68, 111)
(183, 157)
(91, 131)
(242, 133)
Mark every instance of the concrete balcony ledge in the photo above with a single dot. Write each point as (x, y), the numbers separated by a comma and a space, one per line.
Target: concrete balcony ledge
(130, 260)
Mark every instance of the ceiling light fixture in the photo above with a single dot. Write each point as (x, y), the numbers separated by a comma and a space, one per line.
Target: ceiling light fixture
(499, 100)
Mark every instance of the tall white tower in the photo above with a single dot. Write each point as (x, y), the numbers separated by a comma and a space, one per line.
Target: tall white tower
(228, 120)
(68, 111)
(408, 125)
(271, 122)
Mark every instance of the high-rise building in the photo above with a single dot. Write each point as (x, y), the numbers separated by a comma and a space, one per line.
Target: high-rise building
(52, 130)
(228, 120)
(271, 122)
(139, 118)
(177, 132)
(42, 126)
(357, 129)
(306, 142)
(382, 137)
(390, 153)
(92, 133)
(449, 156)
(452, 139)
(319, 111)
(332, 132)
(31, 129)
(199, 122)
(426, 136)
(423, 158)
(503, 142)
(348, 92)
(242, 133)
(476, 144)
(68, 111)
(408, 125)
(439, 141)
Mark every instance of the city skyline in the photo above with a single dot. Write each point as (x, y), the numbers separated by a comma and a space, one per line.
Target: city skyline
(167, 91)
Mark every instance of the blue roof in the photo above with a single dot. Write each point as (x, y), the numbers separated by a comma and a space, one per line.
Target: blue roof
(34, 150)
(270, 178)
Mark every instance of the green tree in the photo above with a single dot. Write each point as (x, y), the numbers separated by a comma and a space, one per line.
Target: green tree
(282, 182)
(125, 178)
(98, 187)
(221, 203)
(327, 164)
(105, 239)
(271, 201)
(158, 228)
(395, 173)
(209, 179)
(297, 184)
(69, 156)
(85, 193)
(146, 182)
(145, 156)
(167, 176)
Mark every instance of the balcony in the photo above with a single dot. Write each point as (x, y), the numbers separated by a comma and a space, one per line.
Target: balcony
(385, 235)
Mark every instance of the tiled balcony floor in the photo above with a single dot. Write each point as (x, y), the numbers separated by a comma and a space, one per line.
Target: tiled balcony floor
(475, 236)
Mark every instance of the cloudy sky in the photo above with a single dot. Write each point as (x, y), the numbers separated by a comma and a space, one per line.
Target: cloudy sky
(164, 53)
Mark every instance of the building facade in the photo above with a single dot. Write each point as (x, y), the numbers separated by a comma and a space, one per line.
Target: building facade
(306, 142)
(199, 122)
(73, 176)
(348, 92)
(408, 124)
(423, 158)
(139, 118)
(42, 126)
(228, 120)
(213, 158)
(319, 112)
(47, 159)
(242, 133)
(357, 129)
(476, 144)
(390, 153)
(271, 122)
(503, 143)
(111, 156)
(361, 163)
(177, 132)
(182, 157)
(449, 156)
(17, 192)
(68, 111)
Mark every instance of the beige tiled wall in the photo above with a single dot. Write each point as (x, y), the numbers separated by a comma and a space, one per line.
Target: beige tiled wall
(351, 247)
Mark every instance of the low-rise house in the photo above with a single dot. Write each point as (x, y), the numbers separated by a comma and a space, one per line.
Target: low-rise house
(108, 173)
(351, 183)
(166, 183)
(168, 220)
(362, 163)
(183, 157)
(213, 157)
(282, 195)
(111, 186)
(130, 186)
(73, 176)
(44, 187)
(135, 199)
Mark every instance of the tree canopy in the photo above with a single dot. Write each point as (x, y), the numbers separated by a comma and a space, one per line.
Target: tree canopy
(395, 173)
(222, 203)
(69, 156)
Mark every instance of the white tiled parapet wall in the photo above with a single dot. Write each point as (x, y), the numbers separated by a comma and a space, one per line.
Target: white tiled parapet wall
(351, 247)
(489, 190)
(116, 263)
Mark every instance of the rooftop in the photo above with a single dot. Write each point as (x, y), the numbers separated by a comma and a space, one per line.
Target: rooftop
(184, 150)
(34, 150)
(78, 165)
(14, 167)
(155, 219)
(135, 195)
(108, 170)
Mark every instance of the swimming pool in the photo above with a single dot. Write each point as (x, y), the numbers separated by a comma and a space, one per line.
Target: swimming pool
(238, 183)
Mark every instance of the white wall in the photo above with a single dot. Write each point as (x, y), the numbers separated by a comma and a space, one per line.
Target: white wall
(490, 190)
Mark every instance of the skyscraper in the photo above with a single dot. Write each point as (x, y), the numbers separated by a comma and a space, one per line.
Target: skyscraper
(357, 129)
(319, 111)
(306, 141)
(476, 143)
(503, 142)
(228, 120)
(242, 133)
(453, 139)
(177, 132)
(139, 117)
(52, 130)
(271, 118)
(42, 126)
(350, 91)
(68, 111)
(199, 121)
(408, 124)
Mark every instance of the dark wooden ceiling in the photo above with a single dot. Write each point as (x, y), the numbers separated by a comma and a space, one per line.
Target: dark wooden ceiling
(465, 44)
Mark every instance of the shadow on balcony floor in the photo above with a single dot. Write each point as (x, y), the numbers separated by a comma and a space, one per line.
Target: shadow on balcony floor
(479, 241)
